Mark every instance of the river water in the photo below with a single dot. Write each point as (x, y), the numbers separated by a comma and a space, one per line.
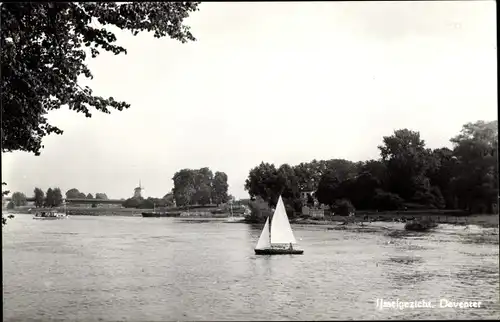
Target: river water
(129, 268)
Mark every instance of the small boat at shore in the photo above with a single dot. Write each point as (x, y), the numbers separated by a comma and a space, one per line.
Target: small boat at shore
(277, 236)
(49, 215)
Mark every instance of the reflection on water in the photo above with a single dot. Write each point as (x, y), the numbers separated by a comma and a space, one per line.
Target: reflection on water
(126, 268)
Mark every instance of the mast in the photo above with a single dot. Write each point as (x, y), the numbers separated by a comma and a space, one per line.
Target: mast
(270, 220)
(270, 230)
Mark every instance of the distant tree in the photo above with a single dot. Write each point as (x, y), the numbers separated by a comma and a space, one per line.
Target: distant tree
(148, 203)
(132, 202)
(440, 173)
(328, 189)
(101, 196)
(81, 195)
(73, 194)
(476, 181)
(362, 190)
(266, 182)
(49, 198)
(169, 199)
(289, 182)
(89, 196)
(203, 186)
(407, 160)
(10, 205)
(57, 197)
(39, 196)
(19, 199)
(220, 188)
(377, 169)
(259, 211)
(184, 187)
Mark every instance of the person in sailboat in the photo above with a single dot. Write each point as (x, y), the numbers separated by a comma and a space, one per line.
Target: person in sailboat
(291, 247)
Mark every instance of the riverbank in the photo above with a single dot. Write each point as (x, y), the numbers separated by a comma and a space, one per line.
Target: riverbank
(443, 217)
(484, 220)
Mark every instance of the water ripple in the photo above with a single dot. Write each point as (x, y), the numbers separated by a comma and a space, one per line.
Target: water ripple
(103, 268)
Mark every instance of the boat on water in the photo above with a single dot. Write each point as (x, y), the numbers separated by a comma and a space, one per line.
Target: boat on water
(157, 214)
(277, 236)
(50, 215)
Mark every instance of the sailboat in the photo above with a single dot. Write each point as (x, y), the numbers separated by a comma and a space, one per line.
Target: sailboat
(277, 236)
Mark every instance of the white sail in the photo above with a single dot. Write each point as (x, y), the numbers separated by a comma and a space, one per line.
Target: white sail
(281, 231)
(264, 237)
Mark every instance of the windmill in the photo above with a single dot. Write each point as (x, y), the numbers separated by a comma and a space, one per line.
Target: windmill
(138, 191)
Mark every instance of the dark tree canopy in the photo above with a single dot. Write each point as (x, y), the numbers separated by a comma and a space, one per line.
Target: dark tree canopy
(44, 47)
(408, 175)
(199, 187)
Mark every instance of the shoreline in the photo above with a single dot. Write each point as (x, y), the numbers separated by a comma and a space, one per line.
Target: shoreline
(484, 220)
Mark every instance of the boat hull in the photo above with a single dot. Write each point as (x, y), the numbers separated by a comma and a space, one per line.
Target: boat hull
(277, 251)
(49, 218)
(157, 215)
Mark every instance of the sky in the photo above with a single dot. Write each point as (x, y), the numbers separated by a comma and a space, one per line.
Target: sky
(275, 82)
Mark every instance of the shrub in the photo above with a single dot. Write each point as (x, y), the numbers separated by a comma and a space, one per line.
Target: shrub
(259, 211)
(343, 207)
(384, 200)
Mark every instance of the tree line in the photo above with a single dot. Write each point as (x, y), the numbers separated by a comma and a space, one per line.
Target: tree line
(200, 187)
(407, 175)
(191, 187)
(150, 203)
(52, 198)
(74, 193)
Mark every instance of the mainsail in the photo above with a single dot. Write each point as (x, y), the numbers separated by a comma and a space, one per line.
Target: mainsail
(281, 231)
(264, 241)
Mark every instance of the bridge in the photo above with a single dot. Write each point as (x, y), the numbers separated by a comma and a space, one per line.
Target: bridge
(81, 201)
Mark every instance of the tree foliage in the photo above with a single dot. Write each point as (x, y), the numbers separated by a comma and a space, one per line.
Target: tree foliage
(220, 188)
(199, 187)
(100, 195)
(10, 205)
(73, 194)
(19, 199)
(169, 199)
(39, 196)
(49, 198)
(44, 51)
(53, 198)
(407, 175)
(57, 197)
(149, 203)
